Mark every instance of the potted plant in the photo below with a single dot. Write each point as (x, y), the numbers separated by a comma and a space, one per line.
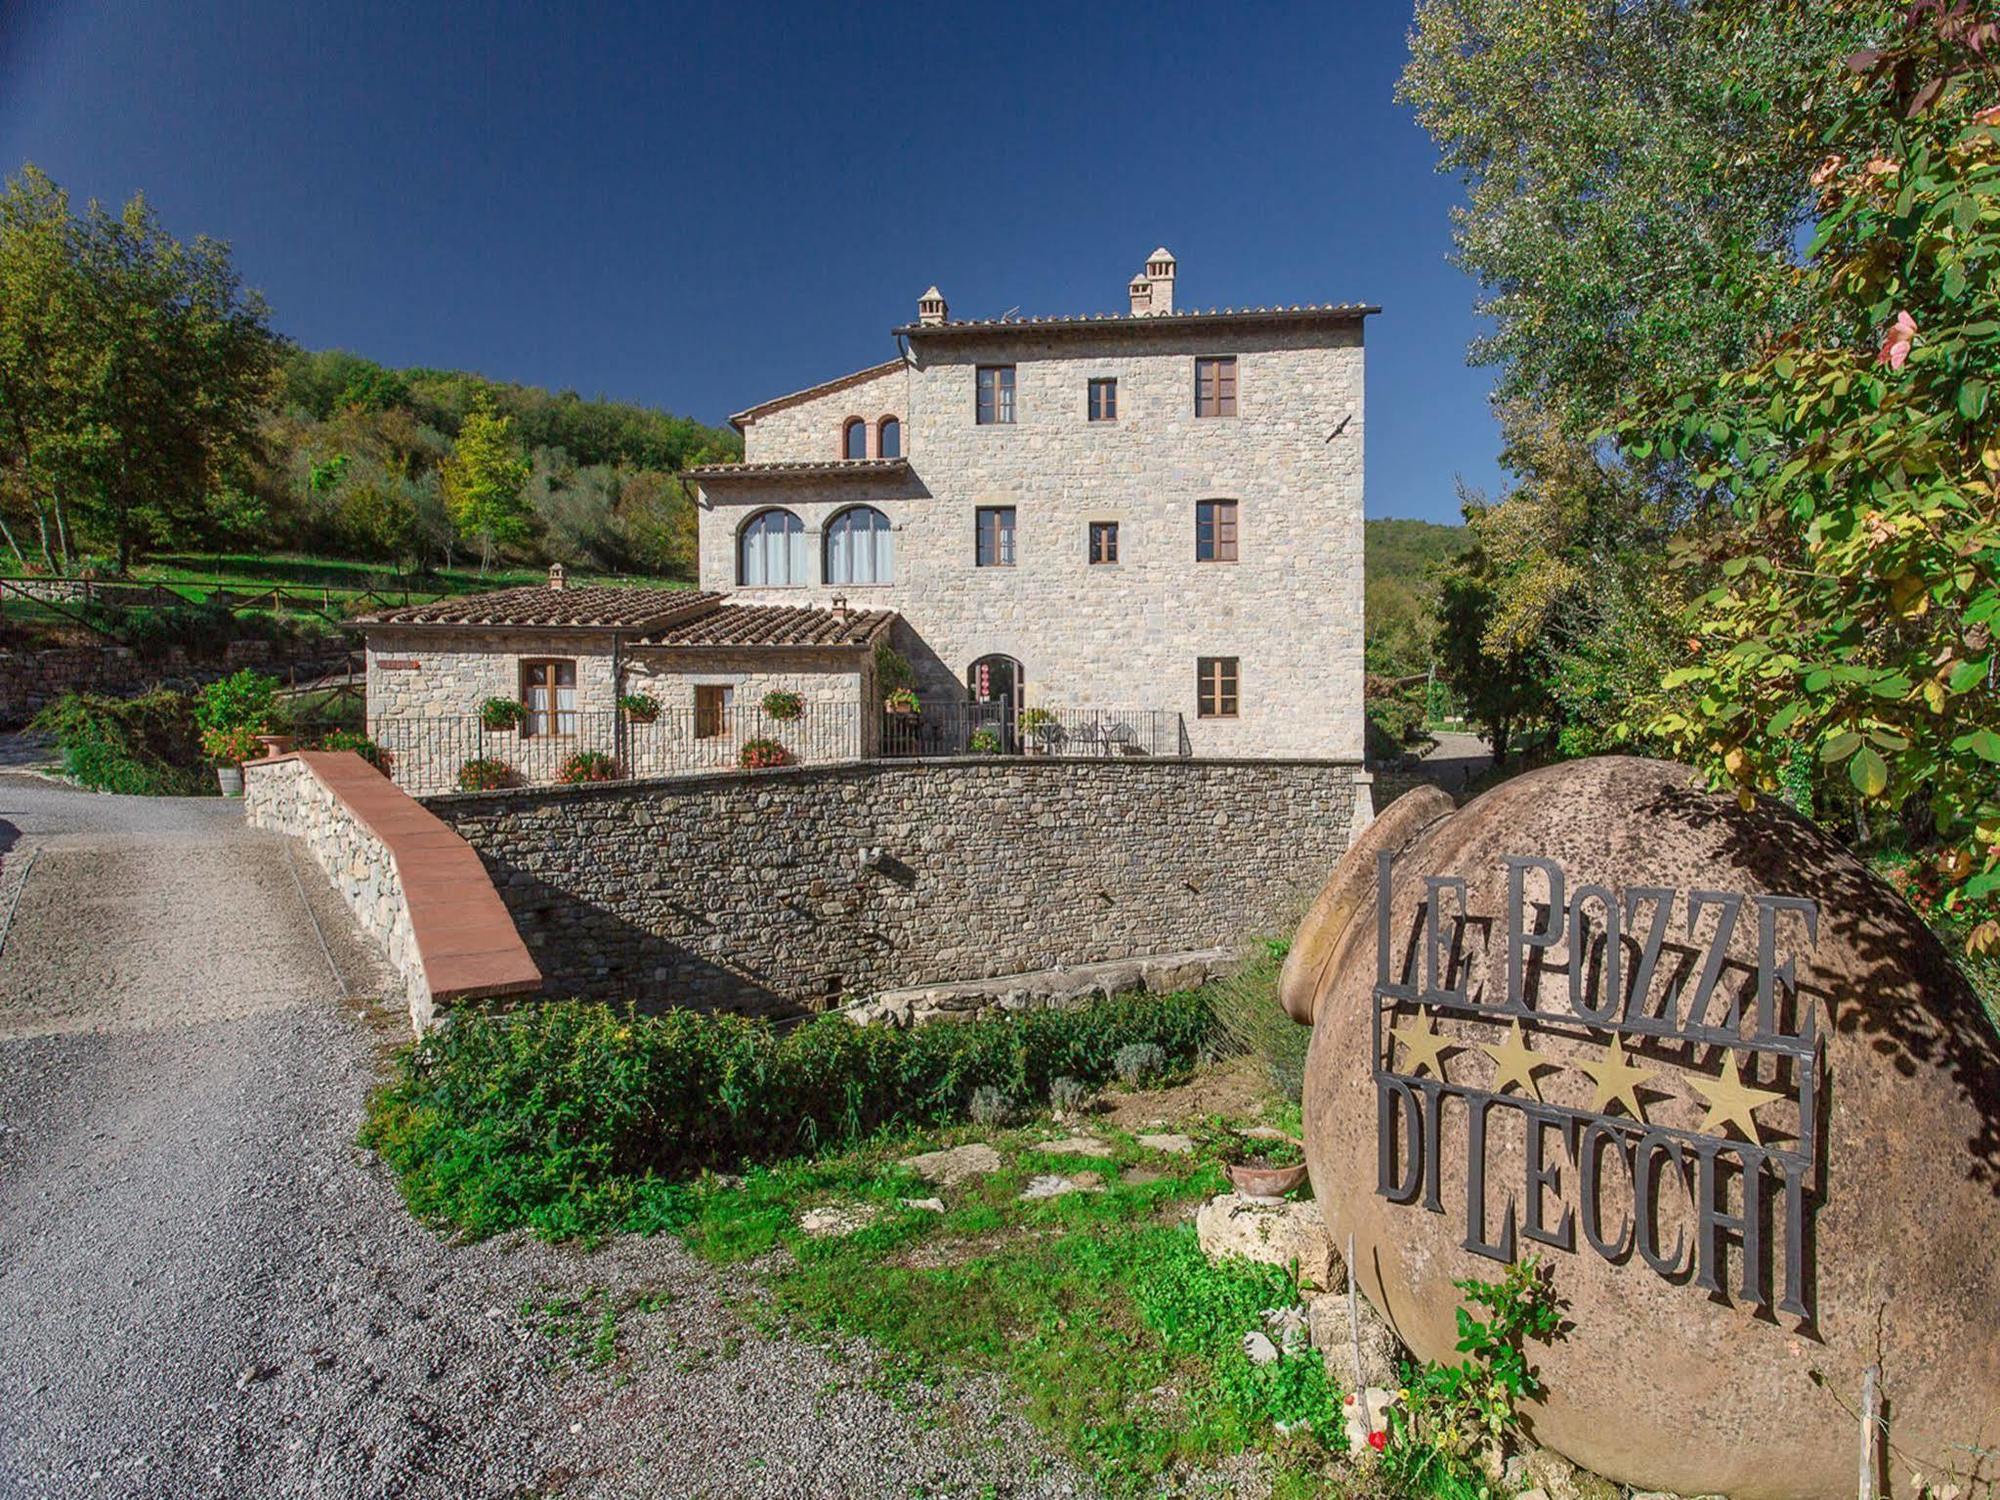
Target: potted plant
(902, 701)
(640, 708)
(229, 748)
(783, 706)
(1038, 729)
(1267, 1165)
(896, 678)
(984, 742)
(355, 741)
(587, 765)
(500, 714)
(484, 774)
(762, 754)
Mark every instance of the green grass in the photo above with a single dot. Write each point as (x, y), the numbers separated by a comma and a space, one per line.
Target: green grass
(1123, 1342)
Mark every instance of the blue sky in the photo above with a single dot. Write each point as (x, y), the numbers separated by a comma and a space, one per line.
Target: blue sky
(700, 207)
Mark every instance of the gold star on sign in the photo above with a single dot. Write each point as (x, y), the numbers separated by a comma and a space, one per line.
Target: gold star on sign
(1515, 1062)
(1617, 1080)
(1731, 1101)
(1422, 1046)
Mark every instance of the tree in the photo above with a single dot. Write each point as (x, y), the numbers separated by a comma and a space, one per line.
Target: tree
(482, 482)
(1856, 593)
(132, 370)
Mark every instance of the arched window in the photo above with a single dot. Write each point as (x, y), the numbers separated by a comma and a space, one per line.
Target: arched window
(854, 439)
(771, 551)
(889, 438)
(860, 548)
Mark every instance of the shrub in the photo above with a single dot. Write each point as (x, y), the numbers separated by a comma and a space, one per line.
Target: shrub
(588, 765)
(359, 743)
(570, 1117)
(1139, 1062)
(783, 706)
(642, 708)
(893, 672)
(762, 754)
(502, 713)
(244, 700)
(990, 1107)
(1069, 1096)
(1247, 1014)
(984, 742)
(231, 747)
(146, 746)
(484, 774)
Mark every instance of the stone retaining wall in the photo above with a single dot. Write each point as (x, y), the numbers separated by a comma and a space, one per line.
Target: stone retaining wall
(30, 680)
(411, 883)
(775, 891)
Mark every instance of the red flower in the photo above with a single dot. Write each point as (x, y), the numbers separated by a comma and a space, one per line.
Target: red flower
(1378, 1440)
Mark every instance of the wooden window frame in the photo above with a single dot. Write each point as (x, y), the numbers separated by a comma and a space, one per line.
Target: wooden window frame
(882, 424)
(711, 720)
(1218, 373)
(980, 517)
(1105, 410)
(847, 444)
(1218, 687)
(528, 731)
(1100, 532)
(988, 412)
(1218, 527)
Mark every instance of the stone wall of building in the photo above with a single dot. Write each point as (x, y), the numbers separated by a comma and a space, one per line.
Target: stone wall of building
(815, 429)
(777, 890)
(1123, 635)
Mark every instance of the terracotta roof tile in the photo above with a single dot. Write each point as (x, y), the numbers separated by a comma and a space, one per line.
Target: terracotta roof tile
(1307, 312)
(590, 608)
(831, 468)
(776, 625)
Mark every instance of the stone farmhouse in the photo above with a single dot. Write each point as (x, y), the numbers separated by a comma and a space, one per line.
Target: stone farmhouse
(1130, 535)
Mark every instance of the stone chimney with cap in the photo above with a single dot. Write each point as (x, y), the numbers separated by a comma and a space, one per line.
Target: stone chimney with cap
(931, 307)
(557, 578)
(1158, 281)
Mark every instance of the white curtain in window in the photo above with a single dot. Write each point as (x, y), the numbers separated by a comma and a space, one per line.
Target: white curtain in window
(772, 551)
(860, 547)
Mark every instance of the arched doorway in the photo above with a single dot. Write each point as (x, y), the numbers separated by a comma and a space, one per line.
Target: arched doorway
(993, 684)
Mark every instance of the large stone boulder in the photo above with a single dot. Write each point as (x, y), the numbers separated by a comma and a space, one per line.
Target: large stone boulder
(1769, 1017)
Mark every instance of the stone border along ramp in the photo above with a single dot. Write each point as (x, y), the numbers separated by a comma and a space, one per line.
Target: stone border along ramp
(415, 887)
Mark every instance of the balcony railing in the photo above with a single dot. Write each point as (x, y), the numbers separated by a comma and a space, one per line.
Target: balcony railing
(446, 753)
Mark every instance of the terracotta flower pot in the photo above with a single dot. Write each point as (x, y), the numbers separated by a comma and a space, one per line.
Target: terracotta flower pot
(1266, 1182)
(275, 744)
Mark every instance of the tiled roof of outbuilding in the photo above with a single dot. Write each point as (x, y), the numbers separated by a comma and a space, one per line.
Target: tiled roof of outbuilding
(776, 625)
(588, 608)
(831, 468)
(1309, 312)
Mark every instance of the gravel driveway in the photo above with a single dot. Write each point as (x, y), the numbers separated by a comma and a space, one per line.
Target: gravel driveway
(206, 1289)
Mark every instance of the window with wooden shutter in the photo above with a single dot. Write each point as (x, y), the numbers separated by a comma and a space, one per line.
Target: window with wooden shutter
(1215, 387)
(1104, 541)
(711, 710)
(548, 689)
(1215, 531)
(993, 536)
(1215, 687)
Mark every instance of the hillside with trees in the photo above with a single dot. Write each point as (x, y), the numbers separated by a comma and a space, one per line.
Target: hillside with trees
(147, 405)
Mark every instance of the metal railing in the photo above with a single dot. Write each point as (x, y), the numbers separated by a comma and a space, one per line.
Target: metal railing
(959, 728)
(431, 754)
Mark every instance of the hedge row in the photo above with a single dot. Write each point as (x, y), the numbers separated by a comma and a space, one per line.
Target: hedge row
(564, 1116)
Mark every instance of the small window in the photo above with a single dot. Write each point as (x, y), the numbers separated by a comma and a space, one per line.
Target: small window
(1215, 387)
(548, 689)
(996, 395)
(1215, 687)
(854, 439)
(711, 711)
(1104, 400)
(1215, 531)
(994, 536)
(1104, 541)
(889, 438)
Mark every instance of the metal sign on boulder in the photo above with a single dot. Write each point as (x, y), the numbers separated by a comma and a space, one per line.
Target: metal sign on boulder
(1724, 1082)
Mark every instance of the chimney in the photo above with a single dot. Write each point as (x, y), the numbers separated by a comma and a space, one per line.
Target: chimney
(1142, 296)
(1160, 272)
(557, 579)
(840, 608)
(931, 307)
